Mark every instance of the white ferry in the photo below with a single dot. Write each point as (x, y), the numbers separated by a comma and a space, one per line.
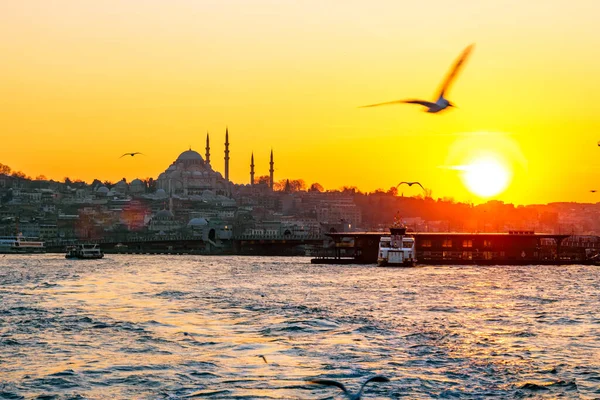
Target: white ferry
(84, 251)
(396, 250)
(21, 244)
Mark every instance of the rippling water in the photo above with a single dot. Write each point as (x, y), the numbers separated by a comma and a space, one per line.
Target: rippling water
(175, 327)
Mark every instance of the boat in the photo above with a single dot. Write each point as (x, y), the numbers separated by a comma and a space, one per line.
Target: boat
(21, 244)
(397, 249)
(84, 251)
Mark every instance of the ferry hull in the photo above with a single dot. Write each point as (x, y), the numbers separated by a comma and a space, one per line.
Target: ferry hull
(405, 263)
(84, 257)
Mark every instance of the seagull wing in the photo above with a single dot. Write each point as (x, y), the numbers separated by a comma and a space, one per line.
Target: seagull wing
(387, 103)
(137, 152)
(126, 154)
(417, 183)
(401, 183)
(328, 382)
(455, 69)
(376, 378)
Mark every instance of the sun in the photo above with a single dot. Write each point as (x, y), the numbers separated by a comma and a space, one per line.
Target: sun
(486, 177)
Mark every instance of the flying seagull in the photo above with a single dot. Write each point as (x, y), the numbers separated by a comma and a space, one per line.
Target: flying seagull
(593, 190)
(441, 103)
(131, 154)
(355, 396)
(410, 184)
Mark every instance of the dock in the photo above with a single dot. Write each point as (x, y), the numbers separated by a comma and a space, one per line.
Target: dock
(451, 248)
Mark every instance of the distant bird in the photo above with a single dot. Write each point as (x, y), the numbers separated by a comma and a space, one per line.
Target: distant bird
(263, 357)
(593, 190)
(410, 184)
(131, 154)
(190, 335)
(355, 396)
(441, 103)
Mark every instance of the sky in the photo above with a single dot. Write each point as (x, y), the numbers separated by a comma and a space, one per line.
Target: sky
(83, 82)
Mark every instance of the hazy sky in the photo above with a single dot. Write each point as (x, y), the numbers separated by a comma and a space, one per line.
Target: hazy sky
(82, 82)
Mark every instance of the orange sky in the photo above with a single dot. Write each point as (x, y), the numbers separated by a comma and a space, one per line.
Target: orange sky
(82, 82)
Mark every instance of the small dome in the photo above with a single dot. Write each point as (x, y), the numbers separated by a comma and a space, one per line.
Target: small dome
(137, 186)
(102, 190)
(164, 214)
(160, 193)
(121, 186)
(190, 155)
(197, 222)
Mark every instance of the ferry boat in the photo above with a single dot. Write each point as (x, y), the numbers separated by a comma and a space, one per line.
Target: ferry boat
(84, 251)
(397, 250)
(21, 244)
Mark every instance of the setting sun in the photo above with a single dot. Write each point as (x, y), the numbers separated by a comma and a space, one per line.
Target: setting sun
(486, 177)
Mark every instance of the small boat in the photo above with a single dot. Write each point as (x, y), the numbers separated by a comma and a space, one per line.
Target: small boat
(396, 250)
(84, 251)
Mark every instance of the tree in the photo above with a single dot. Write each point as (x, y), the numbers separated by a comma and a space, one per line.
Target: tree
(4, 169)
(279, 186)
(352, 190)
(67, 181)
(393, 191)
(289, 185)
(41, 178)
(316, 187)
(19, 174)
(297, 185)
(263, 179)
(150, 184)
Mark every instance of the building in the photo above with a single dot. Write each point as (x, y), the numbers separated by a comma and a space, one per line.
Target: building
(191, 175)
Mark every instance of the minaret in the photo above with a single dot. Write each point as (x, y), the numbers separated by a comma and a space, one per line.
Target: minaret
(271, 171)
(252, 169)
(207, 156)
(226, 153)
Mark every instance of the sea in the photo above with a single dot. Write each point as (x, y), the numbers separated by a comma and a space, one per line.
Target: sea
(226, 327)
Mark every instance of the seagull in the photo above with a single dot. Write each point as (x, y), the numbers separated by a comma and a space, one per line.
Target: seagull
(355, 396)
(410, 184)
(131, 154)
(441, 103)
(593, 190)
(264, 358)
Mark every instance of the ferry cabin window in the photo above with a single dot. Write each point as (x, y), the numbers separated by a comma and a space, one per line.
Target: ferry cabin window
(487, 243)
(487, 255)
(467, 243)
(426, 243)
(447, 243)
(407, 244)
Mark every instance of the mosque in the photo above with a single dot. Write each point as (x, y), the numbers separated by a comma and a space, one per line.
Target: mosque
(191, 175)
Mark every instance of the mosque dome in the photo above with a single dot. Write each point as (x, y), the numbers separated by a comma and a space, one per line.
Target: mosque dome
(102, 190)
(160, 193)
(196, 222)
(164, 214)
(121, 186)
(190, 155)
(137, 186)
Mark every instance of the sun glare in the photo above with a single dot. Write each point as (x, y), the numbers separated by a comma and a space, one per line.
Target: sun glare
(486, 177)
